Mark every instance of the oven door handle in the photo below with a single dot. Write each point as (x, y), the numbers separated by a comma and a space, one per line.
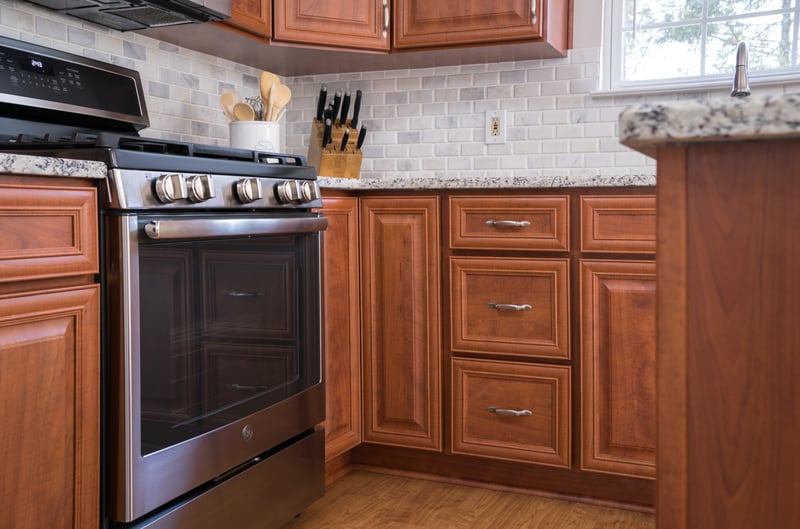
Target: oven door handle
(165, 230)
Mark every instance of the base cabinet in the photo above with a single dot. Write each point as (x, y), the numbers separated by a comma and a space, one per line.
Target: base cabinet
(342, 332)
(400, 321)
(49, 354)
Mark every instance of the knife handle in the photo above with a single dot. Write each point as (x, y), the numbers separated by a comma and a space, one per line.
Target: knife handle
(361, 135)
(356, 109)
(337, 100)
(326, 133)
(323, 95)
(345, 108)
(345, 138)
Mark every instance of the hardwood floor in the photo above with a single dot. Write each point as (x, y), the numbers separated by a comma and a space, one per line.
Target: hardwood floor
(366, 500)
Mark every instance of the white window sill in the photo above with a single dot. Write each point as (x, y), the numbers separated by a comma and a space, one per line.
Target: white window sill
(697, 86)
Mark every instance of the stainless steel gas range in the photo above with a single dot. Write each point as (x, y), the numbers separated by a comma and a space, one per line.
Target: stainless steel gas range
(212, 315)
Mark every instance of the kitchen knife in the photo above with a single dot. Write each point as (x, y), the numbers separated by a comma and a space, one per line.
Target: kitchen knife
(361, 135)
(323, 95)
(337, 100)
(345, 137)
(345, 108)
(326, 133)
(356, 109)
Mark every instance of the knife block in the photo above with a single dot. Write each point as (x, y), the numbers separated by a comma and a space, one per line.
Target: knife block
(331, 161)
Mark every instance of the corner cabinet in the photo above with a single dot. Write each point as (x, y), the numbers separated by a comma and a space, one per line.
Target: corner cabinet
(253, 16)
(49, 354)
(401, 321)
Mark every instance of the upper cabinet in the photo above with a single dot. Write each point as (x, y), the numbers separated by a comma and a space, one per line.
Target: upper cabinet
(307, 37)
(421, 23)
(362, 24)
(254, 16)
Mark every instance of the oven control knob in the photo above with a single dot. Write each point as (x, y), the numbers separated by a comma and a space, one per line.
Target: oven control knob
(170, 187)
(297, 191)
(249, 190)
(200, 188)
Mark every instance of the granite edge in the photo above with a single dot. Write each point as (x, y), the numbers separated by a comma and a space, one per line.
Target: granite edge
(47, 166)
(534, 182)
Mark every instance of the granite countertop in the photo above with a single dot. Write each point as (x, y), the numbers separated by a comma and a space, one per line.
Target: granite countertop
(46, 166)
(515, 182)
(643, 127)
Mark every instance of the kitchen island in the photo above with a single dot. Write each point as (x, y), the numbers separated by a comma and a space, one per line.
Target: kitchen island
(728, 305)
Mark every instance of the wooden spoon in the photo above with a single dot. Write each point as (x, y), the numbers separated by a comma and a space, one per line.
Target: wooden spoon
(280, 99)
(227, 102)
(268, 79)
(243, 111)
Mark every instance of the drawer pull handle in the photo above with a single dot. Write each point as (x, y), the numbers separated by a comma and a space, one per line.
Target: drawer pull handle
(242, 294)
(514, 413)
(509, 306)
(508, 223)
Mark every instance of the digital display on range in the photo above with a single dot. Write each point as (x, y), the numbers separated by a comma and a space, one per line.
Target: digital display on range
(35, 65)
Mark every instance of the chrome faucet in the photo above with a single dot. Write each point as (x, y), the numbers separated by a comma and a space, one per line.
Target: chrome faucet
(741, 80)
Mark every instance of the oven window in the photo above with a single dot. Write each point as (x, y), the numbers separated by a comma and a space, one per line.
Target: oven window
(227, 328)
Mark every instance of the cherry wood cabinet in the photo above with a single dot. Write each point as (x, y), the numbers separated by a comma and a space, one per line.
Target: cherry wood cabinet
(401, 321)
(513, 411)
(361, 24)
(728, 304)
(253, 16)
(49, 354)
(421, 23)
(618, 359)
(342, 331)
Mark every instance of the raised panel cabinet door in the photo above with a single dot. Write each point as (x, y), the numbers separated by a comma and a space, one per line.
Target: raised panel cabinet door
(47, 230)
(422, 23)
(50, 409)
(401, 321)
(349, 24)
(252, 16)
(618, 224)
(342, 353)
(618, 361)
(511, 410)
(510, 306)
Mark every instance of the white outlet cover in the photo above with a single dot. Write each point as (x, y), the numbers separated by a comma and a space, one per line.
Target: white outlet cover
(495, 126)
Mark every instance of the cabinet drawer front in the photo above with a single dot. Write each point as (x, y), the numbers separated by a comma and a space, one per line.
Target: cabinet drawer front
(510, 223)
(491, 404)
(510, 306)
(47, 232)
(618, 224)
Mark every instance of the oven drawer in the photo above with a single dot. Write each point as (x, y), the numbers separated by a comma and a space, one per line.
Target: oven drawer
(511, 410)
(510, 306)
(509, 223)
(47, 230)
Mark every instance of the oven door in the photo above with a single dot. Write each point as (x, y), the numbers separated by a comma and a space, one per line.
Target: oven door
(214, 348)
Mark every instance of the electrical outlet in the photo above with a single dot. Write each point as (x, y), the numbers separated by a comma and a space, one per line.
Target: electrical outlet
(495, 126)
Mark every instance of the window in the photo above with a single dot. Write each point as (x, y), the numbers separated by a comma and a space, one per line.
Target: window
(672, 43)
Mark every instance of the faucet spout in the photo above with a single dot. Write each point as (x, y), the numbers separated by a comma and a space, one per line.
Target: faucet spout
(741, 79)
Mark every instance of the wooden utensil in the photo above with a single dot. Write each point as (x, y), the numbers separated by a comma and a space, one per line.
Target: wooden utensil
(227, 101)
(243, 111)
(280, 99)
(267, 81)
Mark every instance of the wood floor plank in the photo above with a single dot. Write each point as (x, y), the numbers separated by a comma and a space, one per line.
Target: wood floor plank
(367, 500)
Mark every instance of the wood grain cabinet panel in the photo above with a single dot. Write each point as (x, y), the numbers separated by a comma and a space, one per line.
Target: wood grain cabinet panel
(342, 354)
(47, 231)
(510, 306)
(421, 23)
(50, 409)
(401, 321)
(352, 24)
(618, 319)
(253, 16)
(618, 224)
(509, 223)
(511, 410)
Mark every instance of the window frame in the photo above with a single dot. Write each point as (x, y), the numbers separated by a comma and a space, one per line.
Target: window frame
(611, 82)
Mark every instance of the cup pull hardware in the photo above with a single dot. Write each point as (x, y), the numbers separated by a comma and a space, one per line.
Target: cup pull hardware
(513, 413)
(508, 223)
(509, 306)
